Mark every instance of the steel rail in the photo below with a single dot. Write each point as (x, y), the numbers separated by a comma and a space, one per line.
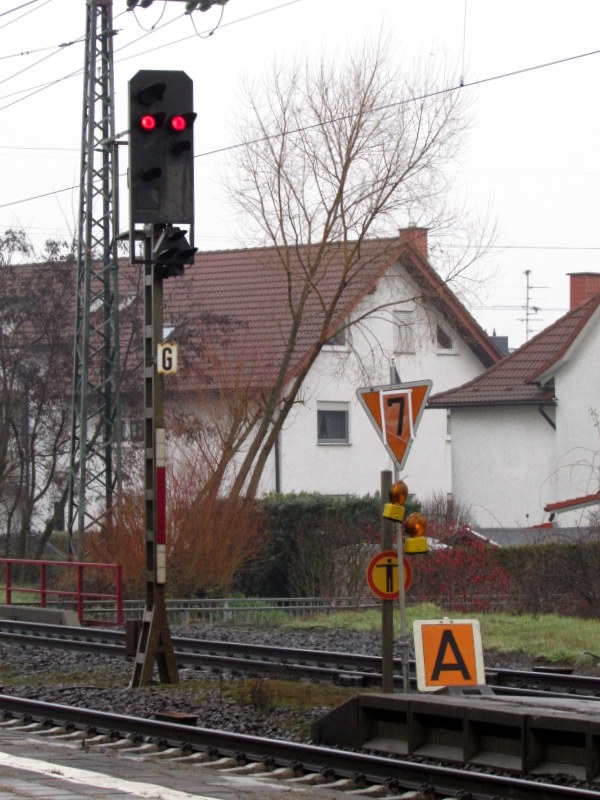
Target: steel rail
(268, 659)
(310, 758)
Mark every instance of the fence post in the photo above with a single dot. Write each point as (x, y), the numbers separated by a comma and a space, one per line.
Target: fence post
(8, 583)
(43, 585)
(119, 591)
(80, 593)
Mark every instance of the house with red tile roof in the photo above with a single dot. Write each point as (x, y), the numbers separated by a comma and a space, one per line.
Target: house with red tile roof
(526, 433)
(396, 320)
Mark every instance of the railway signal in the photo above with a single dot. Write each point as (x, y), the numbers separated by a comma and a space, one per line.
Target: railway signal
(171, 252)
(161, 147)
(161, 192)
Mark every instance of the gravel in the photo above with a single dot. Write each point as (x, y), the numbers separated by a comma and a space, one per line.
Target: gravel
(235, 703)
(245, 704)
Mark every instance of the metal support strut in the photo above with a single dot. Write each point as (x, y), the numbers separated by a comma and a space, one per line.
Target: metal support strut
(95, 443)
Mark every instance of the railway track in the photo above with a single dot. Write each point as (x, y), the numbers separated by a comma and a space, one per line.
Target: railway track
(269, 758)
(237, 657)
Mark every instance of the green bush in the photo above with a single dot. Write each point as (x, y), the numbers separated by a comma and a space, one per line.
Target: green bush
(317, 545)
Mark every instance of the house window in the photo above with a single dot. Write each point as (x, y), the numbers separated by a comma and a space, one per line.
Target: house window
(132, 430)
(445, 343)
(338, 340)
(59, 515)
(332, 423)
(404, 332)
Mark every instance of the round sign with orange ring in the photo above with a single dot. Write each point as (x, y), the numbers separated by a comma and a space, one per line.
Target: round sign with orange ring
(382, 575)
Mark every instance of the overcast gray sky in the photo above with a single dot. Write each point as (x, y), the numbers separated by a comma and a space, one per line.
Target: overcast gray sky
(530, 160)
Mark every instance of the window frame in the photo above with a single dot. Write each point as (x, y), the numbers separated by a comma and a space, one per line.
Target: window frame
(338, 407)
(440, 349)
(332, 344)
(401, 346)
(132, 429)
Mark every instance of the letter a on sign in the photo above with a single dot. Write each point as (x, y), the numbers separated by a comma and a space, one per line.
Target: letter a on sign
(395, 412)
(448, 653)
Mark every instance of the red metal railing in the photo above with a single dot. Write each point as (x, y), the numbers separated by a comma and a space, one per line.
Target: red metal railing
(78, 594)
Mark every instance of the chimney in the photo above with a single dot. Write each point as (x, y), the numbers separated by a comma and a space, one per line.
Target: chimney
(416, 239)
(583, 286)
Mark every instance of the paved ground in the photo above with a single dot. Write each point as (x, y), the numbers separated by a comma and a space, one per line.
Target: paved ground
(31, 767)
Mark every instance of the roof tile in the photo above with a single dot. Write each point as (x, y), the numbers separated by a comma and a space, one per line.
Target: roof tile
(515, 379)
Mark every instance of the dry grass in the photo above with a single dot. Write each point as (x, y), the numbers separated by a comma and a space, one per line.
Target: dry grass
(547, 638)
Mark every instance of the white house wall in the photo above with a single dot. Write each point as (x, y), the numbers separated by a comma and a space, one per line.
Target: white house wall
(577, 387)
(355, 468)
(498, 458)
(509, 463)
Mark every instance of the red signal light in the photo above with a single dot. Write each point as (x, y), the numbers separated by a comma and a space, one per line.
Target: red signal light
(148, 122)
(178, 123)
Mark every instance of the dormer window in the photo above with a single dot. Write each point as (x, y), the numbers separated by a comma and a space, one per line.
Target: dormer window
(445, 342)
(338, 341)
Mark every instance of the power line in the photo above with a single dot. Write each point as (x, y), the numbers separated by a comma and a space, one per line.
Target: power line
(29, 52)
(18, 8)
(4, 13)
(302, 129)
(45, 58)
(399, 103)
(40, 87)
(196, 35)
(524, 247)
(14, 147)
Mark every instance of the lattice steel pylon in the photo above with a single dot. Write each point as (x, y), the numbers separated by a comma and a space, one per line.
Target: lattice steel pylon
(95, 444)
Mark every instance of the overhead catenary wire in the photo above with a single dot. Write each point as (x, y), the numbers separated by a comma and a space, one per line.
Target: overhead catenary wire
(268, 137)
(18, 8)
(33, 90)
(461, 85)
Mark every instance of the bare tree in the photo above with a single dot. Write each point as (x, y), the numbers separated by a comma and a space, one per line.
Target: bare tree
(335, 154)
(35, 360)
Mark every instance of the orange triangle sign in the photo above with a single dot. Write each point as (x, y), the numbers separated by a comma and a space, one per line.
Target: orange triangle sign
(395, 412)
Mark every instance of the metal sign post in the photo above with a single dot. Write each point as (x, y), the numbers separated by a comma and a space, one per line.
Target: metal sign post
(395, 411)
(404, 641)
(387, 606)
(154, 644)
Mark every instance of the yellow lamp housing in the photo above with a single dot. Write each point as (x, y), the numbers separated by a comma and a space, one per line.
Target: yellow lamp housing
(415, 545)
(393, 511)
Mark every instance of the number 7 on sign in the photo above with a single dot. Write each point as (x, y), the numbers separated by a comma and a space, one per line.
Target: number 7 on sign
(395, 412)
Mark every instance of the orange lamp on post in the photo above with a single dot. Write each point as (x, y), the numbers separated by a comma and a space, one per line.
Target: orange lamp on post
(414, 528)
(415, 524)
(394, 510)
